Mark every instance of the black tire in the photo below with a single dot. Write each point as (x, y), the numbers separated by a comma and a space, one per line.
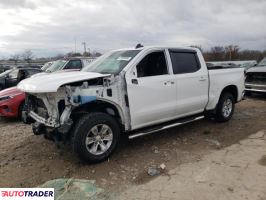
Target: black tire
(220, 115)
(83, 128)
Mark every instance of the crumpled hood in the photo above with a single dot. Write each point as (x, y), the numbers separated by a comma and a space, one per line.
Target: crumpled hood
(257, 69)
(51, 82)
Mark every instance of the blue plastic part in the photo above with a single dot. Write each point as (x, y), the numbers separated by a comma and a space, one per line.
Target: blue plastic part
(84, 99)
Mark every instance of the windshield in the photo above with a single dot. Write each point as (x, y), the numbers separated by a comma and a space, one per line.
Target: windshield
(46, 66)
(262, 63)
(112, 62)
(57, 65)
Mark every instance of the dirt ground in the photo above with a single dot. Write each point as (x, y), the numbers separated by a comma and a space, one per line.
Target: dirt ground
(27, 160)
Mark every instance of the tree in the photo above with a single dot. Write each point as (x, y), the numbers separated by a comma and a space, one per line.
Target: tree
(217, 53)
(27, 56)
(232, 52)
(15, 58)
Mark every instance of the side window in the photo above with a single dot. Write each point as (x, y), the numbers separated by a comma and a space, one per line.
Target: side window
(153, 64)
(184, 62)
(21, 75)
(14, 74)
(73, 64)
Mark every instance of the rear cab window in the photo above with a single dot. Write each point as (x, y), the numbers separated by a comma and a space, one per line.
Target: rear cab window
(184, 61)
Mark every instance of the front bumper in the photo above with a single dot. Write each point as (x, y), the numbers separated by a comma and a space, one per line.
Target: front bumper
(9, 108)
(255, 88)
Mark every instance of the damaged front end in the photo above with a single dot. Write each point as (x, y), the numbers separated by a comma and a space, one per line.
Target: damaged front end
(54, 113)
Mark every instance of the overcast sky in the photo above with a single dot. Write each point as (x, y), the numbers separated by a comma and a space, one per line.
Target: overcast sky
(49, 27)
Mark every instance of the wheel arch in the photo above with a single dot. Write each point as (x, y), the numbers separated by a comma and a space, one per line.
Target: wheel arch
(104, 106)
(230, 89)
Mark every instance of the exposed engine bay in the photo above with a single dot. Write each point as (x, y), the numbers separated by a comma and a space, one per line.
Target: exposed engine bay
(56, 111)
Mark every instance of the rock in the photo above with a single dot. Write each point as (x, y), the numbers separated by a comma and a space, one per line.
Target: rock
(230, 189)
(93, 171)
(153, 171)
(111, 173)
(162, 166)
(45, 169)
(206, 132)
(215, 142)
(155, 149)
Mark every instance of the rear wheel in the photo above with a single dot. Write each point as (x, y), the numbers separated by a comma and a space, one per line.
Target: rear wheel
(225, 107)
(96, 135)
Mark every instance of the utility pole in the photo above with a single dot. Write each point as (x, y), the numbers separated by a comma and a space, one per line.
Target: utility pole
(75, 45)
(84, 45)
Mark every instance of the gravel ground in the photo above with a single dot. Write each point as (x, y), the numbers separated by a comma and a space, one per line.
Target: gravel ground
(27, 160)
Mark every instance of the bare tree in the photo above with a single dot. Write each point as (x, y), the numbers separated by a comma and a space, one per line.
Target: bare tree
(15, 58)
(27, 56)
(218, 53)
(232, 52)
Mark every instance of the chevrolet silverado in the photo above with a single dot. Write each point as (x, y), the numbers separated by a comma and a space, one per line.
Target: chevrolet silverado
(134, 91)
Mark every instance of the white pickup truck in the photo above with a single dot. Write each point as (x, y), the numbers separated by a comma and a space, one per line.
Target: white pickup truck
(135, 91)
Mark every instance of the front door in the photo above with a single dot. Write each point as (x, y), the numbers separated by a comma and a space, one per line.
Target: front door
(151, 91)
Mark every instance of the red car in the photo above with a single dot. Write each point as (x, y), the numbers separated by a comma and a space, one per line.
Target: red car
(11, 102)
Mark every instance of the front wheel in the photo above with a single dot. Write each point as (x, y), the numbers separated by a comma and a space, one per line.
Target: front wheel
(225, 107)
(96, 135)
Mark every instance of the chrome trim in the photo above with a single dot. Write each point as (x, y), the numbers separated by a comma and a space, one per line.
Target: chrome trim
(255, 85)
(254, 90)
(164, 127)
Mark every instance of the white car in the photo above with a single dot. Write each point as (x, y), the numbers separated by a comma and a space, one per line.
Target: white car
(134, 91)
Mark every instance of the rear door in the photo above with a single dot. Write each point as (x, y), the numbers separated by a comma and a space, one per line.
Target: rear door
(151, 90)
(192, 81)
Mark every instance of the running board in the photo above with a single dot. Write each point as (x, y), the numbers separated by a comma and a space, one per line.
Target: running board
(160, 128)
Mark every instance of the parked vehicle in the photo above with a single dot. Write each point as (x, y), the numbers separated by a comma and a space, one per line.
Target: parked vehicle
(256, 79)
(13, 76)
(14, 105)
(4, 68)
(130, 91)
(47, 65)
(11, 102)
(76, 63)
(12, 99)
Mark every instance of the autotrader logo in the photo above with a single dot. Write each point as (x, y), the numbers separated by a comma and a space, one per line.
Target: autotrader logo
(26, 193)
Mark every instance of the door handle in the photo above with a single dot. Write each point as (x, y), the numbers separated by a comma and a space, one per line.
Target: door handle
(134, 81)
(202, 79)
(169, 83)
